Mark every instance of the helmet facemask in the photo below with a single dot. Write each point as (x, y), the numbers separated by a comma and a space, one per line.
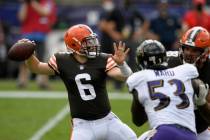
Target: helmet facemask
(194, 55)
(154, 62)
(194, 46)
(90, 46)
(151, 55)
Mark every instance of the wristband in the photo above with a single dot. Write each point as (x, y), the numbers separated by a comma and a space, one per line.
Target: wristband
(125, 69)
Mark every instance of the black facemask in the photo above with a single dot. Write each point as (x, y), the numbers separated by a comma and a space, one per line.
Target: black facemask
(199, 7)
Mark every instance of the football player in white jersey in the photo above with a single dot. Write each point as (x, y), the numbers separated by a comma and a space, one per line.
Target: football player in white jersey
(165, 94)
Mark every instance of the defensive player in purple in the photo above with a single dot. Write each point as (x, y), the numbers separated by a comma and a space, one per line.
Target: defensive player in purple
(165, 94)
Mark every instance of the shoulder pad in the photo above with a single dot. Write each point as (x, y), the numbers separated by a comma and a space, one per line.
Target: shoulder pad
(64, 52)
(172, 53)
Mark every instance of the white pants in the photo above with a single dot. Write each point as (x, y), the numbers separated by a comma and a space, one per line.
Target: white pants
(107, 128)
(205, 135)
(147, 135)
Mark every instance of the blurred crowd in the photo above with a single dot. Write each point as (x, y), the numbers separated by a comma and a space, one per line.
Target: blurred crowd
(128, 20)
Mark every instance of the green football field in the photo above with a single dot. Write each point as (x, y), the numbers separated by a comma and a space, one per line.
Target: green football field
(32, 114)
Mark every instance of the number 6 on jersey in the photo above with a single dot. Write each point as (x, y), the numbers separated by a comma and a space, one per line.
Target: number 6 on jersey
(83, 87)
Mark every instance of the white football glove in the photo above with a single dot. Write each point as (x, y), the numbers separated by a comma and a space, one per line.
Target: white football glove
(200, 98)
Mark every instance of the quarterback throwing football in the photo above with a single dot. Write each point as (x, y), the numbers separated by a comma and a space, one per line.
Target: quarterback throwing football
(83, 71)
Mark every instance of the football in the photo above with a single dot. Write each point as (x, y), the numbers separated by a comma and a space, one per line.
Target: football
(21, 51)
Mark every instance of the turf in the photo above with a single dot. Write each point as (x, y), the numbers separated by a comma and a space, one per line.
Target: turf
(55, 85)
(21, 118)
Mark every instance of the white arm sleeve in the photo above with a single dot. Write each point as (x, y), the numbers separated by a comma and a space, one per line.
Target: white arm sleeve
(134, 80)
(190, 70)
(125, 69)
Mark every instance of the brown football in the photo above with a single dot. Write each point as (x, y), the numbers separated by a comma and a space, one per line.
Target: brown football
(21, 51)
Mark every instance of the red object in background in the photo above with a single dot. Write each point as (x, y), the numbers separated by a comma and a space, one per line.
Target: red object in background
(34, 22)
(195, 2)
(193, 18)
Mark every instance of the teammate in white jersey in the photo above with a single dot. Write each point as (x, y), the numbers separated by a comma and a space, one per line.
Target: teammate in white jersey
(166, 95)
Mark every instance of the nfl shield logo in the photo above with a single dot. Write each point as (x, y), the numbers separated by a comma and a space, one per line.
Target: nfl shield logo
(81, 67)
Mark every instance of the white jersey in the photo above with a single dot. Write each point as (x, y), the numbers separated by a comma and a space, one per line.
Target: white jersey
(167, 95)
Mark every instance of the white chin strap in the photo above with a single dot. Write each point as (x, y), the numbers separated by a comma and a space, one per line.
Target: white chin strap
(91, 55)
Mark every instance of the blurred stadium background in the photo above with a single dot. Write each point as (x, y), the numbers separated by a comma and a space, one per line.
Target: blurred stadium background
(34, 114)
